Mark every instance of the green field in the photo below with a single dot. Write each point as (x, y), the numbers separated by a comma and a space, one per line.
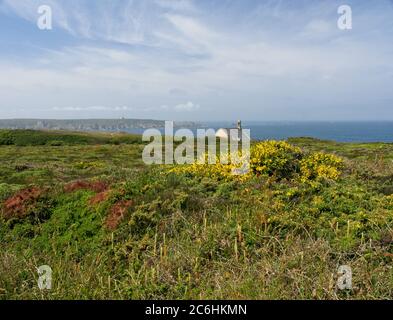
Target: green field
(111, 227)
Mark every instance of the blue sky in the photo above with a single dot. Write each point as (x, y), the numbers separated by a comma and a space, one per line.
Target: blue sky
(197, 60)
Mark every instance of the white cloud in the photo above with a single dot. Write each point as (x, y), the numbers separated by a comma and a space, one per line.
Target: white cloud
(27, 9)
(242, 63)
(182, 107)
(177, 5)
(119, 21)
(187, 107)
(92, 108)
(317, 28)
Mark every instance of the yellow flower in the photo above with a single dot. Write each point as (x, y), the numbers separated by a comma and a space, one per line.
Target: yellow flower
(320, 166)
(272, 158)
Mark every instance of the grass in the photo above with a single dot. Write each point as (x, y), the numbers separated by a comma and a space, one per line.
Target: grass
(150, 234)
(59, 138)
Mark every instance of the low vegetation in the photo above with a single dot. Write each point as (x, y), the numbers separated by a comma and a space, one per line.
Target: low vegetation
(60, 138)
(112, 228)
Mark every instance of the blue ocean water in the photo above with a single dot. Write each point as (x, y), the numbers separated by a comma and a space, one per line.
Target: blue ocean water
(337, 131)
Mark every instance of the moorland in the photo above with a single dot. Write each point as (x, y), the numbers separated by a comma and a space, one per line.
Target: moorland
(111, 227)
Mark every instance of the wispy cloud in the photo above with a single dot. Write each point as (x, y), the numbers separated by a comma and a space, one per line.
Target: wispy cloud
(93, 108)
(182, 107)
(260, 58)
(186, 6)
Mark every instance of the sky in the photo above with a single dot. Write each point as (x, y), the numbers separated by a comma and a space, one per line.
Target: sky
(199, 60)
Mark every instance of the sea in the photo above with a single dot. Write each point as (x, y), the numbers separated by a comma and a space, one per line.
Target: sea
(365, 131)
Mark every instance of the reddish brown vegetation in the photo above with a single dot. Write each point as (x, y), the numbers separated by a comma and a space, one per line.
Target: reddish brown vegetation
(97, 186)
(99, 197)
(117, 214)
(17, 206)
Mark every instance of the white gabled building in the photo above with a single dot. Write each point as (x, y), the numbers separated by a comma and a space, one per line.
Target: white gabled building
(225, 133)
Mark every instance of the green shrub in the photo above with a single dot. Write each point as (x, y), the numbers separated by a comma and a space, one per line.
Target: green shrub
(55, 143)
(6, 138)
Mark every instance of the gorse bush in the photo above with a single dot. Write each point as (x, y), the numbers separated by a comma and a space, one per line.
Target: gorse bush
(219, 167)
(275, 158)
(320, 165)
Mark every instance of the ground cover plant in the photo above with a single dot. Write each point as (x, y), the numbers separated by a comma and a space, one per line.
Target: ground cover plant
(111, 227)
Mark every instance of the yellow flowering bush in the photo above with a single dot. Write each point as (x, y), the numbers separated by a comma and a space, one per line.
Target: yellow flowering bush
(219, 170)
(271, 158)
(320, 166)
(275, 158)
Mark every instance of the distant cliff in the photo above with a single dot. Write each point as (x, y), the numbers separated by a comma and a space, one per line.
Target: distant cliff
(86, 124)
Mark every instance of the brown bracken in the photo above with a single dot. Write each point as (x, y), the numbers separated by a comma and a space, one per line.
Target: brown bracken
(17, 206)
(117, 214)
